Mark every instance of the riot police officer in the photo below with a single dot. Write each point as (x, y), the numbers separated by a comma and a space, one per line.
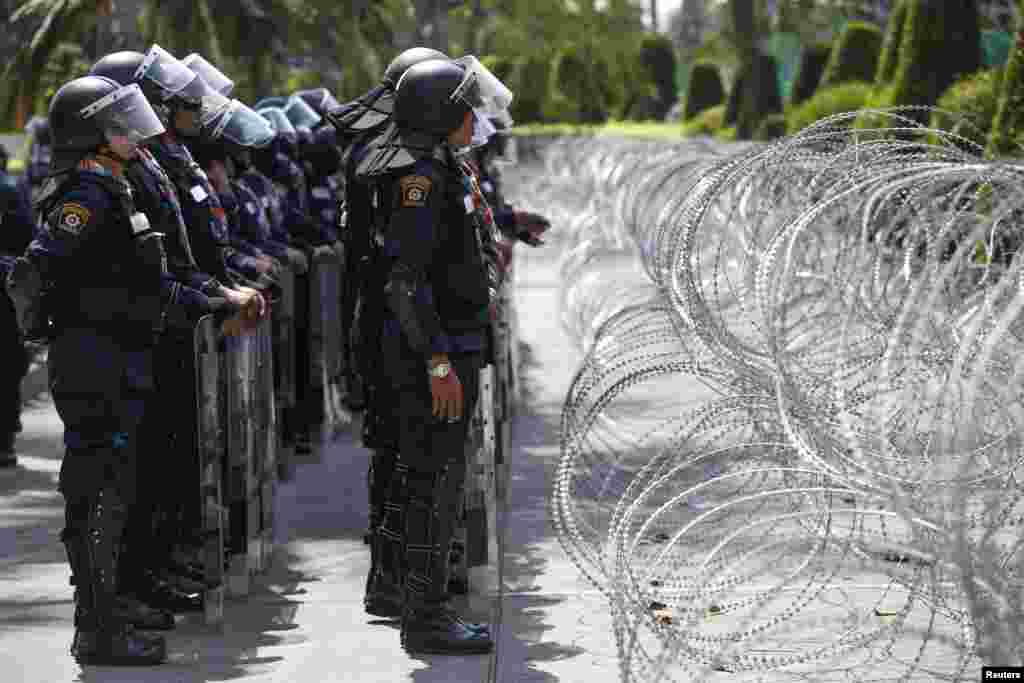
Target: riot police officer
(15, 234)
(97, 272)
(356, 123)
(434, 226)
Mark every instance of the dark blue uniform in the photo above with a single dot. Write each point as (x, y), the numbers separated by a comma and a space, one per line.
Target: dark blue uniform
(438, 291)
(16, 231)
(109, 294)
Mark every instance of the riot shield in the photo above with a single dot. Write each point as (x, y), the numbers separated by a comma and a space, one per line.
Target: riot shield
(265, 418)
(325, 337)
(210, 445)
(241, 475)
(283, 327)
(480, 509)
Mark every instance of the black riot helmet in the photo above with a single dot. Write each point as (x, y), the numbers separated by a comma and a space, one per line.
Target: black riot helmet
(424, 100)
(411, 57)
(167, 83)
(375, 107)
(87, 111)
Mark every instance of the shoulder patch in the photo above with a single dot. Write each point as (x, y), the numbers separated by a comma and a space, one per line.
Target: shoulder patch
(415, 190)
(72, 217)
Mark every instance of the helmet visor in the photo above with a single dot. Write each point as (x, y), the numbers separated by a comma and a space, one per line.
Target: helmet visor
(213, 76)
(301, 114)
(268, 102)
(480, 89)
(162, 68)
(320, 99)
(125, 113)
(241, 125)
(278, 121)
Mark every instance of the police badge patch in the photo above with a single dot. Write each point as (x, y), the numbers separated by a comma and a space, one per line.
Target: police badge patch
(415, 189)
(73, 217)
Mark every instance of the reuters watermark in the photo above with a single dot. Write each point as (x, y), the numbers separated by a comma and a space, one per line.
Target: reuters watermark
(1002, 673)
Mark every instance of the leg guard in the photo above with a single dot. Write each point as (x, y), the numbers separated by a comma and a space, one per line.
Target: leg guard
(383, 585)
(427, 532)
(92, 539)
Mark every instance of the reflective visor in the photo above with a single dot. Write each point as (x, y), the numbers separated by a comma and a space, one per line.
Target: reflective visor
(166, 71)
(320, 99)
(301, 114)
(209, 73)
(278, 121)
(480, 89)
(268, 102)
(241, 125)
(126, 113)
(211, 105)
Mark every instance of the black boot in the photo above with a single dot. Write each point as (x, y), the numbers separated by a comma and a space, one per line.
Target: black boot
(101, 635)
(156, 592)
(141, 616)
(122, 647)
(428, 625)
(437, 630)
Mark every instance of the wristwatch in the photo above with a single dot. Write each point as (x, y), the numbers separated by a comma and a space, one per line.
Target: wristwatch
(441, 370)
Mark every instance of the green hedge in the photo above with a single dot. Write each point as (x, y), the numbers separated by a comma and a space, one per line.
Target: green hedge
(890, 55)
(771, 127)
(704, 90)
(530, 80)
(854, 56)
(940, 42)
(812, 66)
(766, 98)
(1008, 123)
(847, 97)
(580, 87)
(658, 58)
(973, 98)
(732, 104)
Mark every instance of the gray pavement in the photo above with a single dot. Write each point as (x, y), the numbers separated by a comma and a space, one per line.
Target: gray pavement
(303, 621)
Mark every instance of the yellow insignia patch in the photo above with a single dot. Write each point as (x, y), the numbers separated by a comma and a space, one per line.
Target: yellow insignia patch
(415, 190)
(73, 217)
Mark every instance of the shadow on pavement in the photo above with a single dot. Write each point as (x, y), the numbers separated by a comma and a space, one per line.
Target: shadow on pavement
(198, 653)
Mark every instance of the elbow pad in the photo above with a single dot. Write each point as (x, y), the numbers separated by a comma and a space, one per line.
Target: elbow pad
(417, 318)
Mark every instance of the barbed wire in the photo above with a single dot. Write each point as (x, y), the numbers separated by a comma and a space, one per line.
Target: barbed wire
(793, 448)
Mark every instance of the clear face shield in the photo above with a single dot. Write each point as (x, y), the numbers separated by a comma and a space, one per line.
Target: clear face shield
(277, 119)
(125, 116)
(180, 82)
(209, 73)
(481, 90)
(242, 126)
(301, 114)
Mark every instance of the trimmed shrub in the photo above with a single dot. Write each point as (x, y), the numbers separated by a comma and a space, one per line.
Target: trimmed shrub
(704, 90)
(828, 102)
(940, 42)
(727, 134)
(975, 99)
(658, 58)
(765, 95)
(854, 56)
(812, 66)
(772, 127)
(732, 105)
(708, 122)
(1008, 123)
(530, 81)
(890, 55)
(580, 87)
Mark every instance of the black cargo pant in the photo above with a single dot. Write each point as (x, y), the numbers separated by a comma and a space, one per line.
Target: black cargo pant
(428, 479)
(101, 390)
(14, 362)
